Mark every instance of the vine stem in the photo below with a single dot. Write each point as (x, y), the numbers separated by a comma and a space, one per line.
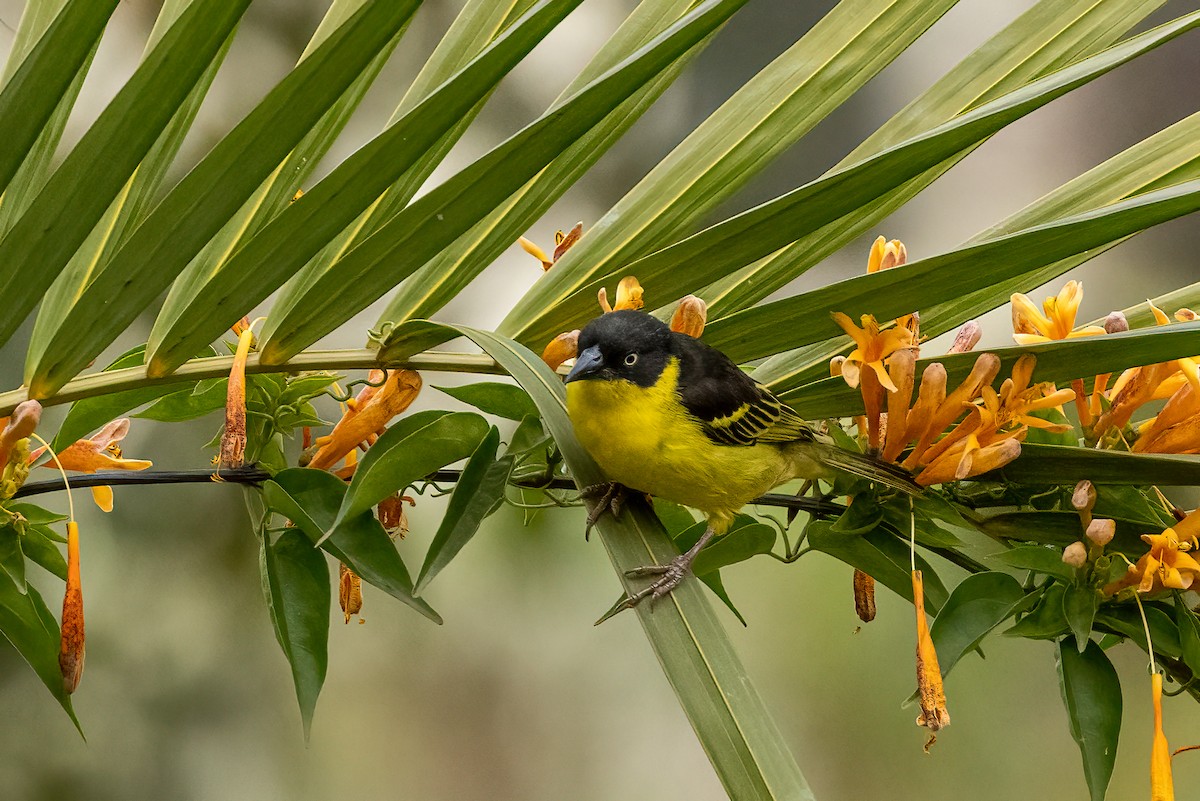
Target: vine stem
(89, 386)
(252, 474)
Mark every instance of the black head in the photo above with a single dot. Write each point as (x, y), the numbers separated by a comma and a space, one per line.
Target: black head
(628, 345)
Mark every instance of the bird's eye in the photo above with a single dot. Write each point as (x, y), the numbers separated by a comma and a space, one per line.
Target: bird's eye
(631, 360)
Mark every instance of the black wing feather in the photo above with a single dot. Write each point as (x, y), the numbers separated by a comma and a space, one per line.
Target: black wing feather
(731, 406)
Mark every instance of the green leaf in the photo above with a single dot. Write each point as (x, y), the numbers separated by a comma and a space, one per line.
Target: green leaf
(684, 539)
(979, 604)
(36, 515)
(444, 276)
(1189, 633)
(1048, 36)
(1038, 559)
(310, 499)
(89, 414)
(432, 222)
(503, 400)
(132, 203)
(730, 719)
(1079, 607)
(31, 628)
(33, 91)
(42, 551)
(883, 557)
(278, 191)
(98, 167)
(731, 244)
(287, 243)
(764, 118)
(1056, 464)
(1091, 692)
(296, 585)
(478, 493)
(736, 545)
(1047, 621)
(204, 200)
(892, 293)
(12, 560)
(407, 452)
(1058, 362)
(1126, 621)
(188, 404)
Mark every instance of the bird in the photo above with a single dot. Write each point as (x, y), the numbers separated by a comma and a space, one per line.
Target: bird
(667, 415)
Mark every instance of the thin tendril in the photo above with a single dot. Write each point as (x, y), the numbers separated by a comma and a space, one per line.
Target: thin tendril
(1146, 627)
(61, 469)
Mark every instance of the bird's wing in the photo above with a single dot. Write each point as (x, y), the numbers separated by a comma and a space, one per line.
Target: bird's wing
(731, 407)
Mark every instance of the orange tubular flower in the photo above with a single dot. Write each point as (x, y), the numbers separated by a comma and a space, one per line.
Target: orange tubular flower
(365, 418)
(690, 316)
(1162, 786)
(101, 452)
(71, 645)
(1031, 326)
(629, 296)
(563, 347)
(931, 693)
(873, 347)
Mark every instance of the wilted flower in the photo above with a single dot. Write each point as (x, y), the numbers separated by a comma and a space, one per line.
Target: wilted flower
(366, 416)
(562, 243)
(349, 592)
(930, 691)
(71, 644)
(233, 438)
(18, 426)
(864, 596)
(101, 452)
(390, 512)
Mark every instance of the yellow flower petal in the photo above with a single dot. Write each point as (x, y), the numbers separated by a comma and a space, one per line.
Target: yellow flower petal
(103, 496)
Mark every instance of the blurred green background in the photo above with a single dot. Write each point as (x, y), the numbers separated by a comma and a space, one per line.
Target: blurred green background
(188, 696)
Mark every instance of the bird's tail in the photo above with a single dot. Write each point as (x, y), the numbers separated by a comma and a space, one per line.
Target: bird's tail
(886, 473)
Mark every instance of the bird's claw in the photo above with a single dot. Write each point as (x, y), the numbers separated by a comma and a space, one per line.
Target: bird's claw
(670, 576)
(609, 497)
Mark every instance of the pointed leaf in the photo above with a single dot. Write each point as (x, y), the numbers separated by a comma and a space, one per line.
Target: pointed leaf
(296, 585)
(77, 194)
(1079, 608)
(503, 400)
(31, 628)
(419, 232)
(1092, 694)
(724, 247)
(1037, 558)
(410, 450)
(478, 493)
(1057, 464)
(196, 208)
(979, 604)
(1189, 633)
(310, 499)
(42, 551)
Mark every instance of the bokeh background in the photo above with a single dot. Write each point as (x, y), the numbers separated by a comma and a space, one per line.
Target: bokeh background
(188, 696)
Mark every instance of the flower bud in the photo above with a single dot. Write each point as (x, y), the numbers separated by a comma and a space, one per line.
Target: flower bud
(690, 317)
(1185, 316)
(967, 338)
(1101, 531)
(1115, 323)
(1075, 554)
(1084, 496)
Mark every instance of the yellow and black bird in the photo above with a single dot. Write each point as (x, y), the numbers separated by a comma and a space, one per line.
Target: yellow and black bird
(667, 415)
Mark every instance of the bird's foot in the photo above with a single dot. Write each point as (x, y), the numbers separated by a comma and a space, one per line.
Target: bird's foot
(670, 575)
(608, 497)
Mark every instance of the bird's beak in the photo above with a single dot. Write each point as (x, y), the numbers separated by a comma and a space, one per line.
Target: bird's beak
(587, 364)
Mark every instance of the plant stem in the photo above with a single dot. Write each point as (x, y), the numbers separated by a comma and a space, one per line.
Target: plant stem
(252, 474)
(105, 383)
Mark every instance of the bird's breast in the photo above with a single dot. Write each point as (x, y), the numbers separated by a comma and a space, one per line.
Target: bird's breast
(644, 438)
